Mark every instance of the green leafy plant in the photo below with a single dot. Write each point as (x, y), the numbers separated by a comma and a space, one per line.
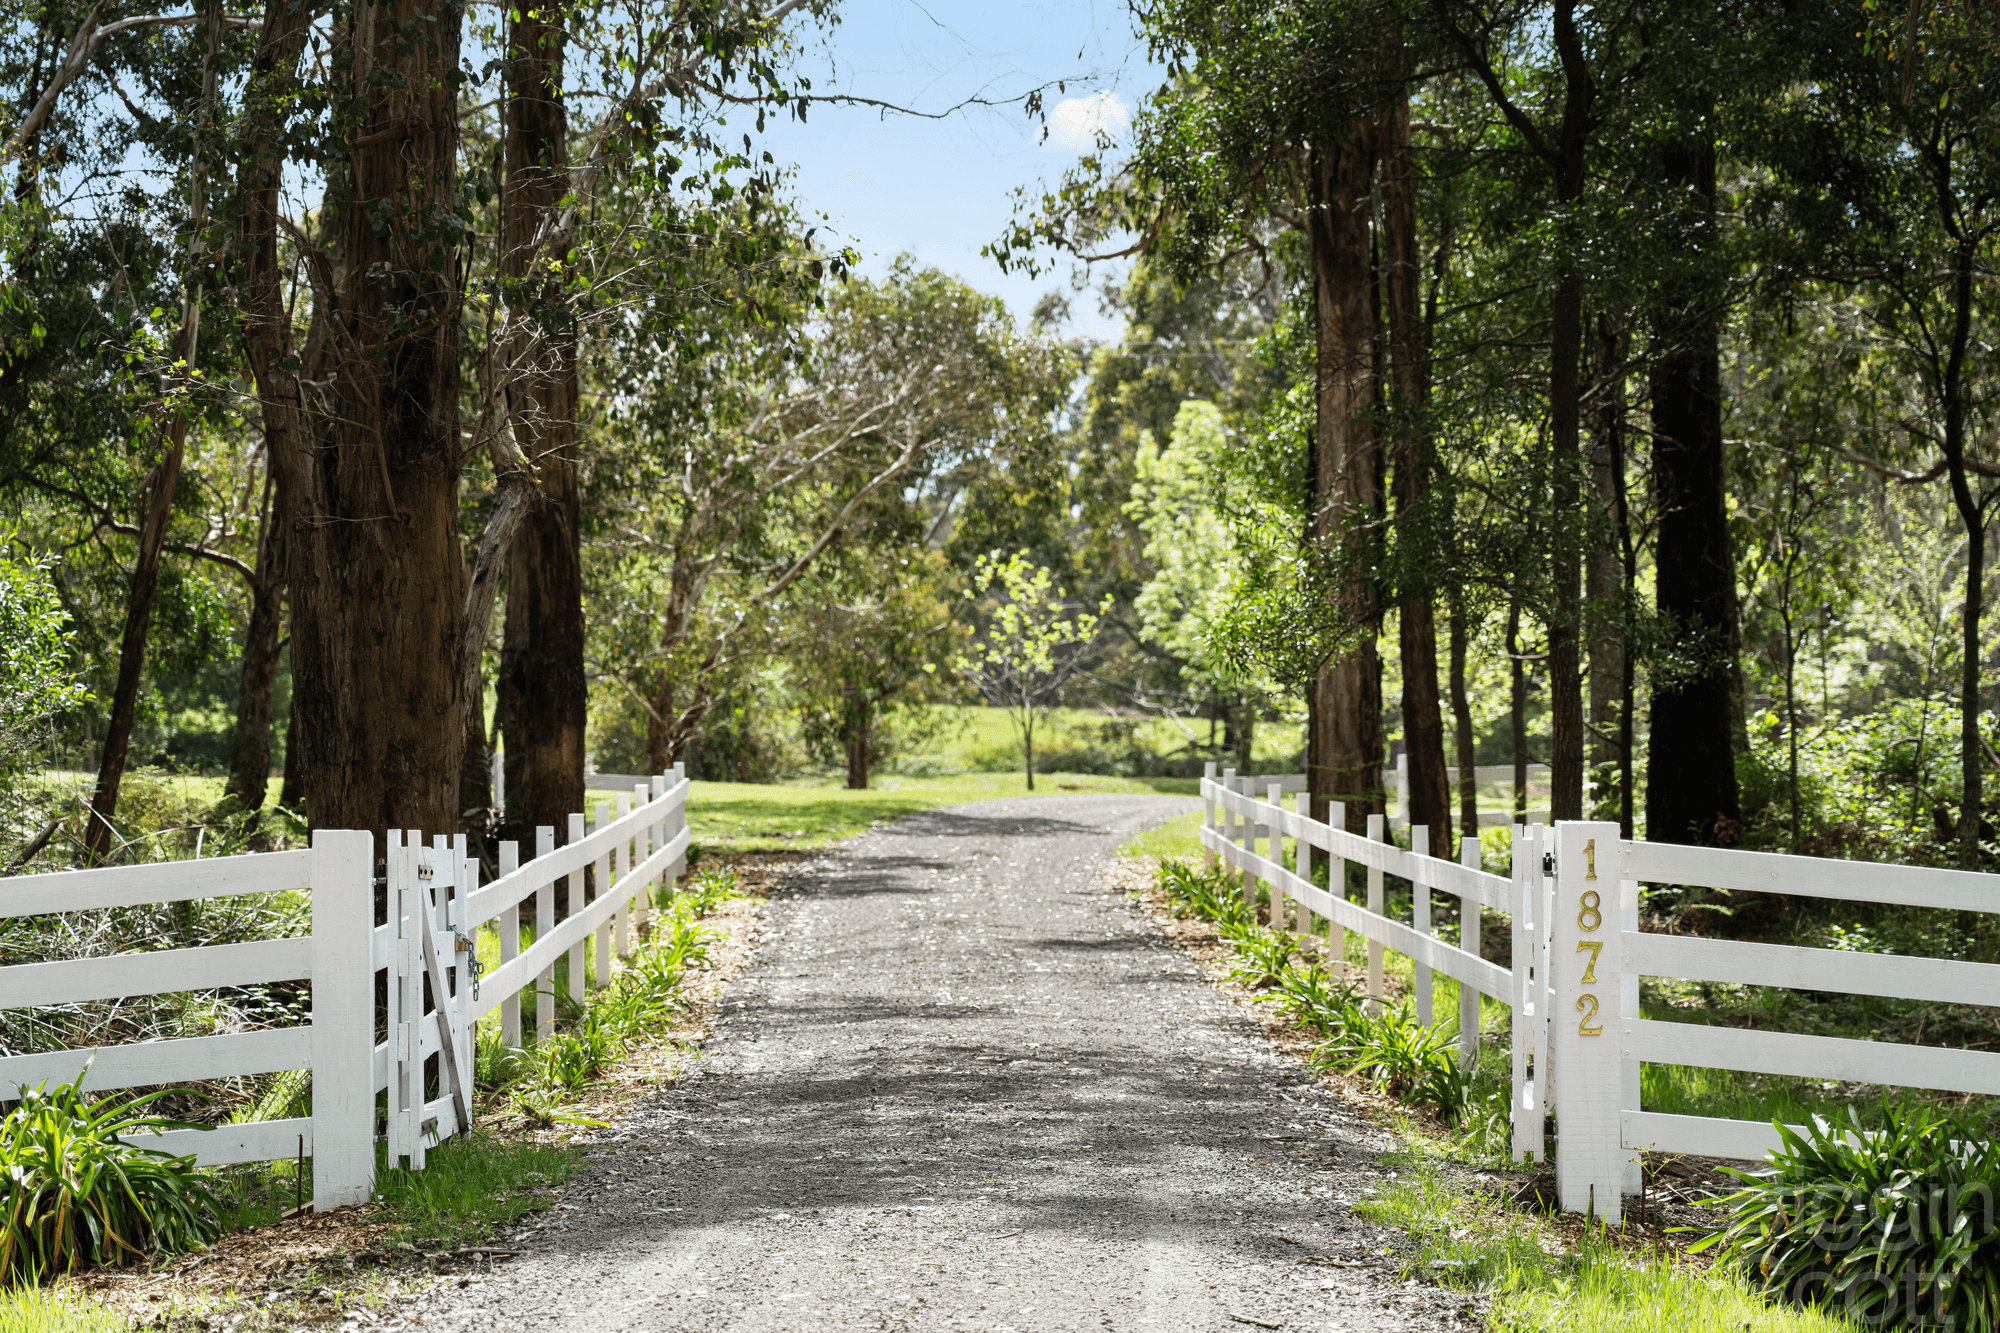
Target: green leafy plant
(1263, 957)
(1311, 997)
(1895, 1228)
(77, 1195)
(1400, 1055)
(1210, 894)
(710, 889)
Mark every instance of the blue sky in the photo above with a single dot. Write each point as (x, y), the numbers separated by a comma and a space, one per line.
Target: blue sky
(941, 188)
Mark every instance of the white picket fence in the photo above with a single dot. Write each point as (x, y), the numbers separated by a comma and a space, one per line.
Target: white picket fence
(435, 911)
(1578, 955)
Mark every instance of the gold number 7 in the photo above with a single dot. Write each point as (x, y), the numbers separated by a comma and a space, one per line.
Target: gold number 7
(1593, 948)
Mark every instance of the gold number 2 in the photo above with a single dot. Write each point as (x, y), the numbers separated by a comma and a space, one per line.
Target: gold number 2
(1590, 859)
(1587, 1006)
(1593, 948)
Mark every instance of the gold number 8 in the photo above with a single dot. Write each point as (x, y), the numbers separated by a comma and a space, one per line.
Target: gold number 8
(1590, 902)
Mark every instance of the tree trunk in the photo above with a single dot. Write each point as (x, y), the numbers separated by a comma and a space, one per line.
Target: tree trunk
(1517, 709)
(1605, 577)
(378, 575)
(291, 788)
(265, 330)
(1691, 792)
(1461, 716)
(161, 483)
(250, 765)
(1409, 360)
(1972, 514)
(1565, 619)
(859, 712)
(545, 733)
(1028, 746)
(1344, 750)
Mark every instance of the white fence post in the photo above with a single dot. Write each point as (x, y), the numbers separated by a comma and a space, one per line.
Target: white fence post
(509, 925)
(579, 985)
(1420, 919)
(1303, 923)
(1375, 987)
(1274, 796)
(1530, 1019)
(606, 867)
(1612, 855)
(1208, 811)
(1336, 886)
(343, 1015)
(1585, 1027)
(1468, 940)
(545, 924)
(679, 816)
(656, 838)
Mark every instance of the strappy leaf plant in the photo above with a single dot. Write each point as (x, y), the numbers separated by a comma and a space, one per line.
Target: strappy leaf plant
(1895, 1228)
(77, 1194)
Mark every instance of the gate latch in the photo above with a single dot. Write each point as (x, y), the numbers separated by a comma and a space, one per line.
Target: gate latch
(1549, 864)
(462, 944)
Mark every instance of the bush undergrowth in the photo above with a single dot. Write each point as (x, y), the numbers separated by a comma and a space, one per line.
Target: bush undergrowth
(1896, 1227)
(76, 1196)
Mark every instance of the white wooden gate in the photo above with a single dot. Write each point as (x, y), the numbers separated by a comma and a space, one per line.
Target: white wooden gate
(427, 953)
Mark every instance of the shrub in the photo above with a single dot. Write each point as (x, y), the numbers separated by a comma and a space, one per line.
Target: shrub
(1895, 1229)
(1402, 1056)
(1210, 894)
(76, 1195)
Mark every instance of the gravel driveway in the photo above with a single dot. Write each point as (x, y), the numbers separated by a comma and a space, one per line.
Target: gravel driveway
(965, 1087)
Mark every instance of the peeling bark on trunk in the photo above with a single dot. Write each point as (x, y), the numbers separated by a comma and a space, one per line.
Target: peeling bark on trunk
(1691, 791)
(1344, 749)
(378, 577)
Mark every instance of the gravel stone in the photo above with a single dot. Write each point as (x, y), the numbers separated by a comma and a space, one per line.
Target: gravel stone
(965, 1087)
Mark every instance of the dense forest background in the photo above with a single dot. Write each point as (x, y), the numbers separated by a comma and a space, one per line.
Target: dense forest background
(1610, 387)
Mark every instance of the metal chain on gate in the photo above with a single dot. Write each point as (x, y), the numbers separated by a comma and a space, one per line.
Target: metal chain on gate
(473, 967)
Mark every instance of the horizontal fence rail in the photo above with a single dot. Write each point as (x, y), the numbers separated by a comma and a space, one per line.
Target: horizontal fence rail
(1234, 821)
(421, 953)
(1601, 1040)
(1579, 1041)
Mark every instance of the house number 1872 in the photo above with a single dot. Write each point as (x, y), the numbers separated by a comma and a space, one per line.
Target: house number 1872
(1589, 917)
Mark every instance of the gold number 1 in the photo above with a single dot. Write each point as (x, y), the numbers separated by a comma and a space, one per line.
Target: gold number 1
(1590, 859)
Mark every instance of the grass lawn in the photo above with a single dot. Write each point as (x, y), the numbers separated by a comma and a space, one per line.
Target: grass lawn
(737, 816)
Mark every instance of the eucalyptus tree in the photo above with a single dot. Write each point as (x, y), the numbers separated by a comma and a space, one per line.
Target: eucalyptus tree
(1892, 190)
(1295, 117)
(745, 455)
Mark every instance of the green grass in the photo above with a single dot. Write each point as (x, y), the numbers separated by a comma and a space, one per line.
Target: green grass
(736, 816)
(41, 1310)
(472, 1185)
(1466, 1242)
(972, 735)
(1178, 837)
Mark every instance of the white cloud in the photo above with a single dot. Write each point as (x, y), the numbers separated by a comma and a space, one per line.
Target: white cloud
(1077, 121)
